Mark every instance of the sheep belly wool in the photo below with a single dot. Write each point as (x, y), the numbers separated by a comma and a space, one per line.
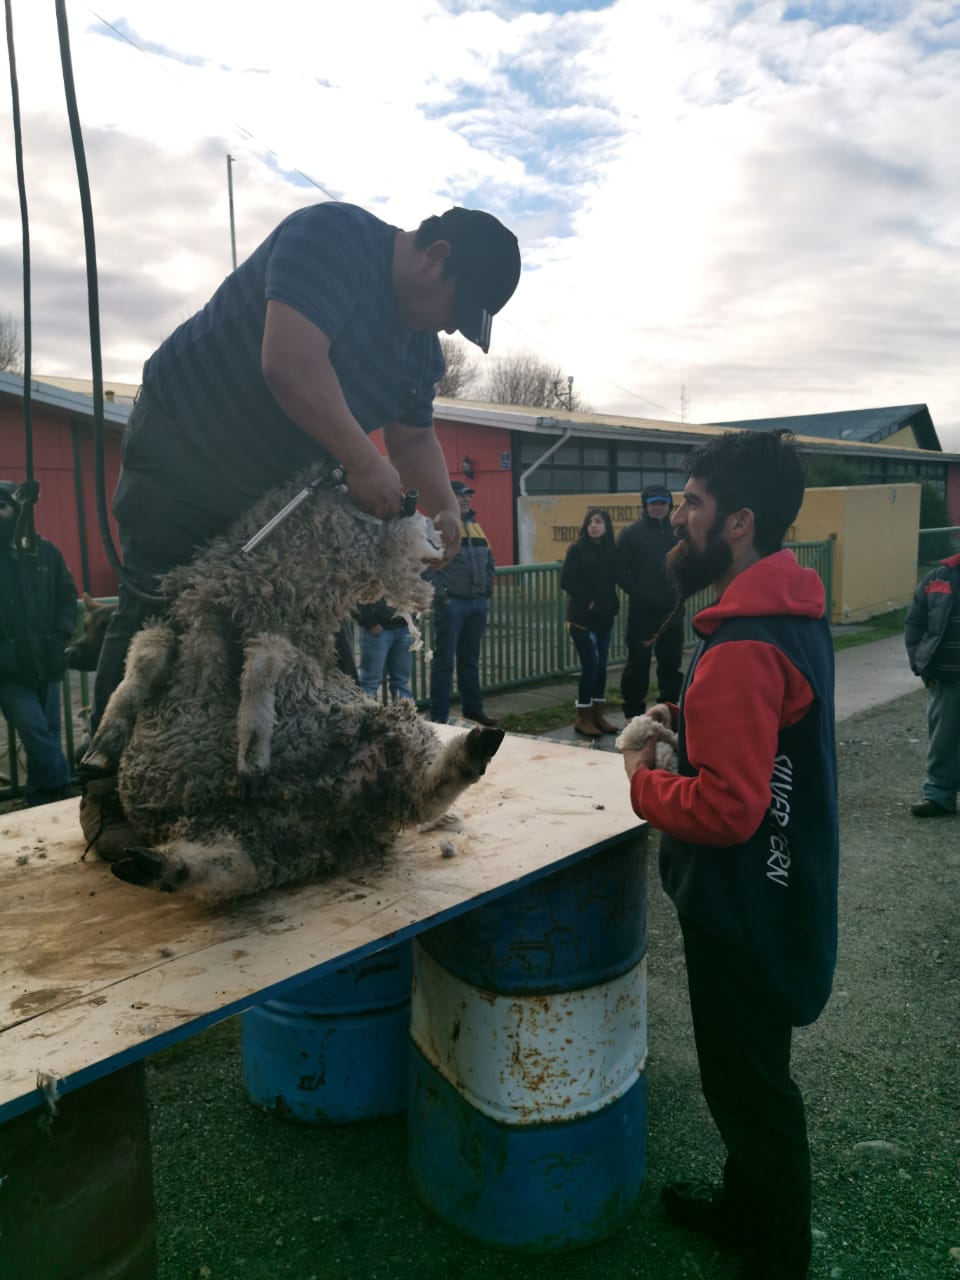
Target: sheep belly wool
(246, 759)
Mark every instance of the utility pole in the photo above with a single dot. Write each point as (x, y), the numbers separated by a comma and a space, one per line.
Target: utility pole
(233, 229)
(683, 402)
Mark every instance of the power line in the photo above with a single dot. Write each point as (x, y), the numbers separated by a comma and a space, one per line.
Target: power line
(235, 123)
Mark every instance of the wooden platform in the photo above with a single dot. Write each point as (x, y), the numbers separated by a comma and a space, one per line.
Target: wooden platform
(95, 973)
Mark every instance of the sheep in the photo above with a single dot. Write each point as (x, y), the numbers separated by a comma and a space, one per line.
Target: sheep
(246, 759)
(640, 730)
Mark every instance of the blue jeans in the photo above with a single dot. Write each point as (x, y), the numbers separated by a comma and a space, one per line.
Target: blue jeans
(592, 648)
(943, 751)
(459, 625)
(34, 711)
(389, 651)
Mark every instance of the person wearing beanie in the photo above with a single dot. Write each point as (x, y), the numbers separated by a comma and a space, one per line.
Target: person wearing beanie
(642, 549)
(38, 615)
(325, 335)
(592, 604)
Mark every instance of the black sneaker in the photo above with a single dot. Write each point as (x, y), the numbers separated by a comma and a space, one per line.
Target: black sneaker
(699, 1206)
(930, 809)
(481, 717)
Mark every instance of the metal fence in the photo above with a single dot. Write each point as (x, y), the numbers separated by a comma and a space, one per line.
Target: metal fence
(526, 643)
(934, 545)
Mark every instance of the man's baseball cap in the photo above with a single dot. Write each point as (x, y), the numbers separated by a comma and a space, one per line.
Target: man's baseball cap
(459, 488)
(656, 495)
(485, 259)
(8, 491)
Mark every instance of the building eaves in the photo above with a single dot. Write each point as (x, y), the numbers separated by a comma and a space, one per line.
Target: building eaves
(72, 403)
(544, 422)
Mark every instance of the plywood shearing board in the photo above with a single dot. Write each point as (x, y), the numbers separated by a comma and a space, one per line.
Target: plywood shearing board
(95, 973)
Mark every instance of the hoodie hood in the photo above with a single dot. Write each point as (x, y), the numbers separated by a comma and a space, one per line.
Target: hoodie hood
(775, 586)
(650, 491)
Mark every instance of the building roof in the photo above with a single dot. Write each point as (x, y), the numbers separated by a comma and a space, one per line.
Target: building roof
(75, 404)
(555, 422)
(869, 426)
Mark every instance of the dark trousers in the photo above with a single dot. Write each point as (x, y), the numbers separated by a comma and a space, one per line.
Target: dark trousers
(592, 648)
(642, 625)
(159, 530)
(34, 711)
(743, 1048)
(459, 624)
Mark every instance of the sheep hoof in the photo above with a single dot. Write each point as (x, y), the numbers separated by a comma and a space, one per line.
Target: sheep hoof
(95, 766)
(146, 867)
(482, 746)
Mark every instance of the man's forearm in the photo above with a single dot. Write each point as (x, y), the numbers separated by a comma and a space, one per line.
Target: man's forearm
(417, 455)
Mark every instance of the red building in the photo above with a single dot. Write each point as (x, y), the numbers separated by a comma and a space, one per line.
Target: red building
(63, 463)
(504, 452)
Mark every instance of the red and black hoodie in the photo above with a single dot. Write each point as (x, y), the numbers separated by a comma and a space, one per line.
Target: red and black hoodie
(750, 847)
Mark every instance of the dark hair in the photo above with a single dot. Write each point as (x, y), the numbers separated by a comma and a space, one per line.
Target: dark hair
(761, 470)
(608, 543)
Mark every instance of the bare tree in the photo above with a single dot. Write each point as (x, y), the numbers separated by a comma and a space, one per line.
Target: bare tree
(11, 344)
(461, 370)
(526, 378)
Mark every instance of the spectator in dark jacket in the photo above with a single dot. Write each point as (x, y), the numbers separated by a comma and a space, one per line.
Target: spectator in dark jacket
(38, 614)
(588, 579)
(932, 634)
(641, 551)
(460, 607)
(385, 641)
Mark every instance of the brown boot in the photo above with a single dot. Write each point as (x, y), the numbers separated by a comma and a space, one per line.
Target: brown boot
(584, 723)
(600, 721)
(105, 825)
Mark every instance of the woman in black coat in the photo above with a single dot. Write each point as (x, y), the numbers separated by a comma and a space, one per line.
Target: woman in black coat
(588, 579)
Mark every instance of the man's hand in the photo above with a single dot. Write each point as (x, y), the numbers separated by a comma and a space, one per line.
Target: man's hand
(450, 529)
(375, 486)
(645, 758)
(662, 714)
(374, 630)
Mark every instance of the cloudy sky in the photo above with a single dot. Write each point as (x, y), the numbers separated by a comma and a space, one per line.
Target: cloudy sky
(751, 204)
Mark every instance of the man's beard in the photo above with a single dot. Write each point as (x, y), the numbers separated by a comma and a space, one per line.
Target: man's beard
(693, 570)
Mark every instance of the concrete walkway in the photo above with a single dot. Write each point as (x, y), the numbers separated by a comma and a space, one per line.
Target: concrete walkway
(868, 675)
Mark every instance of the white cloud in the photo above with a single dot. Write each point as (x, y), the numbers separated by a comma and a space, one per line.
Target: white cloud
(706, 193)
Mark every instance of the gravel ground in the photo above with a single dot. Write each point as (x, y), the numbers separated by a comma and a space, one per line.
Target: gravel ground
(242, 1196)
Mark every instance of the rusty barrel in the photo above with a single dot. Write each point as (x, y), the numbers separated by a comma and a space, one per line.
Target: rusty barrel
(334, 1050)
(76, 1188)
(528, 1090)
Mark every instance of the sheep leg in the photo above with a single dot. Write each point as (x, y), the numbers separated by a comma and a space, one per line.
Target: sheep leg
(214, 870)
(148, 666)
(266, 660)
(460, 763)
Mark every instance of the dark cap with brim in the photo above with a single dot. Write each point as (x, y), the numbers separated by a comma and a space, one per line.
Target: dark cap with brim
(485, 260)
(459, 488)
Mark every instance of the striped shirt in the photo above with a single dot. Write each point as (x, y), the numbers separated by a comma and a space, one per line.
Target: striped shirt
(226, 440)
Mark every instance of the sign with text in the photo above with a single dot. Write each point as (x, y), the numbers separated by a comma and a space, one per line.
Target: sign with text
(547, 525)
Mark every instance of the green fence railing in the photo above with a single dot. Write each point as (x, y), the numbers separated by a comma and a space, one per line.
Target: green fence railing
(526, 643)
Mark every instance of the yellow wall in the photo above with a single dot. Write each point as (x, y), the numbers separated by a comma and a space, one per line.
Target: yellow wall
(874, 528)
(902, 439)
(875, 556)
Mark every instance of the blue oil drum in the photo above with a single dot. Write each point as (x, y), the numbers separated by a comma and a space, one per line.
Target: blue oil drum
(335, 1050)
(76, 1201)
(528, 1089)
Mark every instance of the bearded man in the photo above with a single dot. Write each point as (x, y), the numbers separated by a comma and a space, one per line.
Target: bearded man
(749, 849)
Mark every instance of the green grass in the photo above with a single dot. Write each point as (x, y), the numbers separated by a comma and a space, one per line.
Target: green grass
(878, 628)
